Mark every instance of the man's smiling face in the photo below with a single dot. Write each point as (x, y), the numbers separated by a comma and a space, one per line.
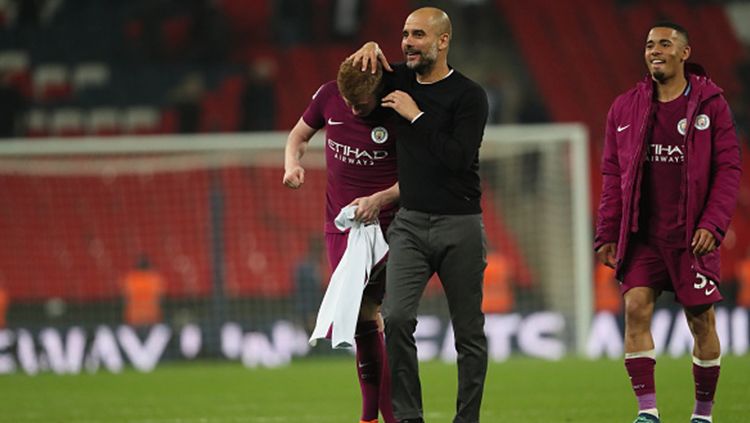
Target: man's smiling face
(665, 53)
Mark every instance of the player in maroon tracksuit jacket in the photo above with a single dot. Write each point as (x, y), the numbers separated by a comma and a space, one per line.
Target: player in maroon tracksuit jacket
(671, 172)
(360, 151)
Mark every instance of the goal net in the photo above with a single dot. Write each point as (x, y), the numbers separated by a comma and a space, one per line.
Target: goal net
(135, 250)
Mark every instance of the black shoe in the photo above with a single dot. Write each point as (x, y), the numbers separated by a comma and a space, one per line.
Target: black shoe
(417, 420)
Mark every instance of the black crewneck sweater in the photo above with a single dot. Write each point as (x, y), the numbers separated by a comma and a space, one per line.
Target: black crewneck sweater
(438, 154)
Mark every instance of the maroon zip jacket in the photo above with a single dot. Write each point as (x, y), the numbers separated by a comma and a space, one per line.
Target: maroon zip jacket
(711, 179)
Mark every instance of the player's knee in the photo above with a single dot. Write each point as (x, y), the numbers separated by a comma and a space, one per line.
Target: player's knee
(638, 313)
(701, 327)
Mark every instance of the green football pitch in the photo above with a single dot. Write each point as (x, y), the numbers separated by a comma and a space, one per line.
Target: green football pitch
(323, 390)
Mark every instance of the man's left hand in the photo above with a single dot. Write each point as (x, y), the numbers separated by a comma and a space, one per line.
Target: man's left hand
(402, 103)
(703, 242)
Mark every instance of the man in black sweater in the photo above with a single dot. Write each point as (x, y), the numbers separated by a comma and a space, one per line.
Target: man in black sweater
(439, 227)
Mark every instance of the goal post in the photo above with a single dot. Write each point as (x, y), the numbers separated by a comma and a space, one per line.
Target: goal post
(235, 252)
(560, 162)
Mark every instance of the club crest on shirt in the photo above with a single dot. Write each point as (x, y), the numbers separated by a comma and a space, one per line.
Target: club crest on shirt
(379, 135)
(702, 122)
(682, 126)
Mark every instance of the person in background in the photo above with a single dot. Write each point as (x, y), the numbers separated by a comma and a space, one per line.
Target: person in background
(258, 99)
(143, 289)
(186, 99)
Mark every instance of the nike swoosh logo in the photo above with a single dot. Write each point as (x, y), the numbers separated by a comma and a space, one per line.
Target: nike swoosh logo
(710, 291)
(622, 128)
(333, 122)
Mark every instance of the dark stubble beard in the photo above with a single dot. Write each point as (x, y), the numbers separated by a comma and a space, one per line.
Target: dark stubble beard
(659, 76)
(425, 63)
(423, 66)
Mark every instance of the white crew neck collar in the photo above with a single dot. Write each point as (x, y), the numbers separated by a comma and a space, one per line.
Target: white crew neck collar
(450, 72)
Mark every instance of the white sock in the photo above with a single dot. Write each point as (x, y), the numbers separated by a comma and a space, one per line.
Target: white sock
(707, 363)
(642, 354)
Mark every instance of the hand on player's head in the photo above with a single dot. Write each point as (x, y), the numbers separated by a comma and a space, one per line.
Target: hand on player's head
(368, 56)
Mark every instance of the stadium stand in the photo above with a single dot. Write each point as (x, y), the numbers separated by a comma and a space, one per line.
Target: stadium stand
(114, 77)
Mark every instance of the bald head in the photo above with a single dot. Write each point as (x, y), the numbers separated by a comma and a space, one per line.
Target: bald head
(436, 20)
(425, 42)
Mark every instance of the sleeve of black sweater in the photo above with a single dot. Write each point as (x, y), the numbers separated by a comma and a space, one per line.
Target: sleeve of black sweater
(457, 148)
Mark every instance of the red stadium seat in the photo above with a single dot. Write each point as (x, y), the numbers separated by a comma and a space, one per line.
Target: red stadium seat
(249, 20)
(176, 34)
(15, 65)
(104, 121)
(67, 122)
(168, 123)
(220, 109)
(37, 123)
(141, 120)
(384, 22)
(51, 82)
(90, 75)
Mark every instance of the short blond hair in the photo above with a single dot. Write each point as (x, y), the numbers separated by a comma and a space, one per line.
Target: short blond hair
(356, 85)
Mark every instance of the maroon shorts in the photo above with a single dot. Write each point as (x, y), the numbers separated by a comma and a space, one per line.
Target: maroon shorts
(667, 269)
(336, 245)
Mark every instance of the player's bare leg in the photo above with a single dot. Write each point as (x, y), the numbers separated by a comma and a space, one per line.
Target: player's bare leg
(639, 309)
(640, 357)
(372, 365)
(706, 359)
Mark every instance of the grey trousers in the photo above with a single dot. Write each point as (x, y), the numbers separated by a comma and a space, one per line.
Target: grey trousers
(454, 247)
